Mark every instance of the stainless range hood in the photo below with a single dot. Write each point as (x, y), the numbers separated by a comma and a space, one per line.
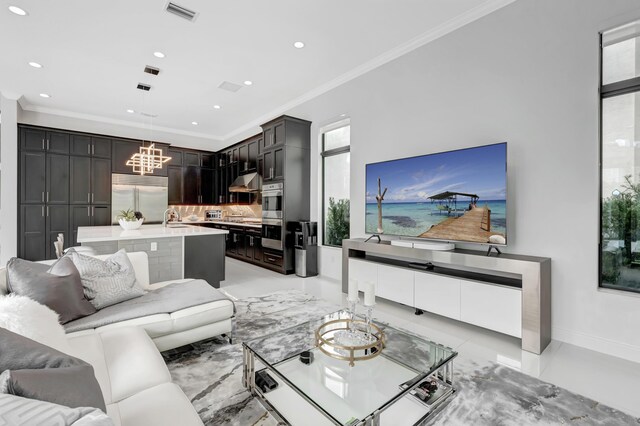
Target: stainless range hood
(251, 182)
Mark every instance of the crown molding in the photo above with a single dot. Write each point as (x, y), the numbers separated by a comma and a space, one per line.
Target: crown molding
(107, 120)
(441, 30)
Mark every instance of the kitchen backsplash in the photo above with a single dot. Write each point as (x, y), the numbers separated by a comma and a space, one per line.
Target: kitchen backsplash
(252, 210)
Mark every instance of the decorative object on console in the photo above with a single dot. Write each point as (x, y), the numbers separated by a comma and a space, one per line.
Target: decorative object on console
(147, 159)
(58, 287)
(107, 282)
(350, 340)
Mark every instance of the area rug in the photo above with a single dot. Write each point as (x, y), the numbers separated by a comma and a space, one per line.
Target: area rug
(210, 374)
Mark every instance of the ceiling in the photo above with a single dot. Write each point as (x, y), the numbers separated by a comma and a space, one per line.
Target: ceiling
(93, 54)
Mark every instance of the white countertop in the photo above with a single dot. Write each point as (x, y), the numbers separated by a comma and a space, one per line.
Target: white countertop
(88, 234)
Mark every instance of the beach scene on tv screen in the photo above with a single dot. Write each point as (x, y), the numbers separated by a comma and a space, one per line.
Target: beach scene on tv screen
(450, 196)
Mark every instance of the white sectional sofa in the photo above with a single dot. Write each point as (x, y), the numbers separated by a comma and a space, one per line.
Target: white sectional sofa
(132, 374)
(134, 379)
(179, 328)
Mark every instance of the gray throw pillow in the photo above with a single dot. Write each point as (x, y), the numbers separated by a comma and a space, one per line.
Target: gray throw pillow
(59, 286)
(107, 282)
(33, 370)
(18, 411)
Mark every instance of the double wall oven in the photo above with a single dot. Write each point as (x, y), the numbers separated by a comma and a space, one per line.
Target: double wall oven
(272, 207)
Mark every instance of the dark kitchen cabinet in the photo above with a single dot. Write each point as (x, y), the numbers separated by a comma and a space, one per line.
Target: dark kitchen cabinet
(174, 174)
(32, 139)
(101, 215)
(240, 242)
(278, 163)
(57, 179)
(33, 232)
(268, 166)
(39, 229)
(191, 190)
(80, 145)
(100, 181)
(176, 157)
(80, 170)
(252, 148)
(122, 150)
(32, 177)
(243, 159)
(207, 186)
(101, 147)
(57, 222)
(253, 246)
(191, 159)
(273, 134)
(207, 159)
(78, 216)
(57, 142)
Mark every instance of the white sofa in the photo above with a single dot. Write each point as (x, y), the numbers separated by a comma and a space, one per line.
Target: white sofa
(174, 329)
(134, 379)
(133, 376)
(178, 328)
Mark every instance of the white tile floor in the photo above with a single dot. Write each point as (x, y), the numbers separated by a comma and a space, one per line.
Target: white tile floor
(609, 380)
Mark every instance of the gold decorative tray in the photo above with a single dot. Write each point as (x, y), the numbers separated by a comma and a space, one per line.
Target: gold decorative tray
(325, 340)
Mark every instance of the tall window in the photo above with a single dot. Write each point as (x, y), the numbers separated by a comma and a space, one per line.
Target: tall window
(620, 158)
(335, 174)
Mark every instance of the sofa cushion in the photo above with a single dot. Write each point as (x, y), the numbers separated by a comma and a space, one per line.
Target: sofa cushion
(59, 287)
(125, 361)
(166, 300)
(19, 411)
(107, 282)
(162, 405)
(33, 370)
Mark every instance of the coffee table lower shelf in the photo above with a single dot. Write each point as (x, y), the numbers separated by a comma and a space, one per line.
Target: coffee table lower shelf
(291, 407)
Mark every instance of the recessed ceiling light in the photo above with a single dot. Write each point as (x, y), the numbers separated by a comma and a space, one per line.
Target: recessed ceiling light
(248, 82)
(195, 123)
(298, 45)
(44, 95)
(35, 64)
(217, 107)
(158, 54)
(17, 10)
(130, 111)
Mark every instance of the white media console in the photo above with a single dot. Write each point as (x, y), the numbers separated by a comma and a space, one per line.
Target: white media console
(508, 293)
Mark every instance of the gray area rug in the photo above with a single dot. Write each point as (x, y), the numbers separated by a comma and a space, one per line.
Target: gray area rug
(210, 373)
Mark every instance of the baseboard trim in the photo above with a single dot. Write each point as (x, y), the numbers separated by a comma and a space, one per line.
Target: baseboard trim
(598, 344)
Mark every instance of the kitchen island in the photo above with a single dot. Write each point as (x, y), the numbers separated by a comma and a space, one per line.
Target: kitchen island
(175, 252)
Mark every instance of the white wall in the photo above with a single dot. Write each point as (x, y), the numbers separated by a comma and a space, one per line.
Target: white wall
(118, 129)
(8, 178)
(526, 74)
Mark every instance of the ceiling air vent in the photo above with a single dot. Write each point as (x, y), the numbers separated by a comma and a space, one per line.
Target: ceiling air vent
(231, 87)
(144, 87)
(181, 11)
(151, 70)
(149, 114)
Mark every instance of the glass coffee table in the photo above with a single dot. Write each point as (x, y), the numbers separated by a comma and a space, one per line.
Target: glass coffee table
(407, 383)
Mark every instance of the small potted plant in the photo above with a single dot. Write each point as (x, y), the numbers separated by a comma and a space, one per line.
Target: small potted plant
(129, 220)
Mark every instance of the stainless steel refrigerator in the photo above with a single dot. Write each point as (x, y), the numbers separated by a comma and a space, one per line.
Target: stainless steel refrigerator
(146, 194)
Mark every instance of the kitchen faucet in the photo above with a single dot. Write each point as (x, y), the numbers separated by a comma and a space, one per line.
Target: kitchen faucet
(164, 215)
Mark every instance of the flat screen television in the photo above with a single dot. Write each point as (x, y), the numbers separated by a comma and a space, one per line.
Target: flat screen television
(456, 196)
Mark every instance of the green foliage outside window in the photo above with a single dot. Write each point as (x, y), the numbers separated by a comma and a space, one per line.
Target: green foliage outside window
(620, 232)
(337, 222)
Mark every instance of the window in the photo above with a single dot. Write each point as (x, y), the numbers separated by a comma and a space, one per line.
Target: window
(335, 175)
(620, 158)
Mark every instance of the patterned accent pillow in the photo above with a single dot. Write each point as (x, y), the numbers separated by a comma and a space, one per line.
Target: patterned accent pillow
(18, 411)
(107, 282)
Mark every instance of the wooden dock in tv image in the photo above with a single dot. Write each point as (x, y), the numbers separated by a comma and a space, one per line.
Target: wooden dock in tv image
(474, 226)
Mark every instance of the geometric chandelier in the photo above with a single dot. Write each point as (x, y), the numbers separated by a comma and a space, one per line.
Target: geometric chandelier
(147, 160)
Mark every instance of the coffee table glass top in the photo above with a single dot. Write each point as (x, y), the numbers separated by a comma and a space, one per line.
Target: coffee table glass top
(345, 393)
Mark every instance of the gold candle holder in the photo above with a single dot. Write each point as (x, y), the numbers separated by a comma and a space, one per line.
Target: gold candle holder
(325, 340)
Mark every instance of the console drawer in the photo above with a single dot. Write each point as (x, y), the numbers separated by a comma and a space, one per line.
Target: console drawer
(273, 258)
(491, 306)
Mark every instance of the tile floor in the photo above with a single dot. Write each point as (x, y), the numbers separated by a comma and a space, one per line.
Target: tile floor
(609, 380)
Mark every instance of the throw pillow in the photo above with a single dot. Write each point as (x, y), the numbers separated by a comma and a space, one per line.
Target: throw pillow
(107, 282)
(33, 370)
(59, 286)
(29, 318)
(18, 411)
